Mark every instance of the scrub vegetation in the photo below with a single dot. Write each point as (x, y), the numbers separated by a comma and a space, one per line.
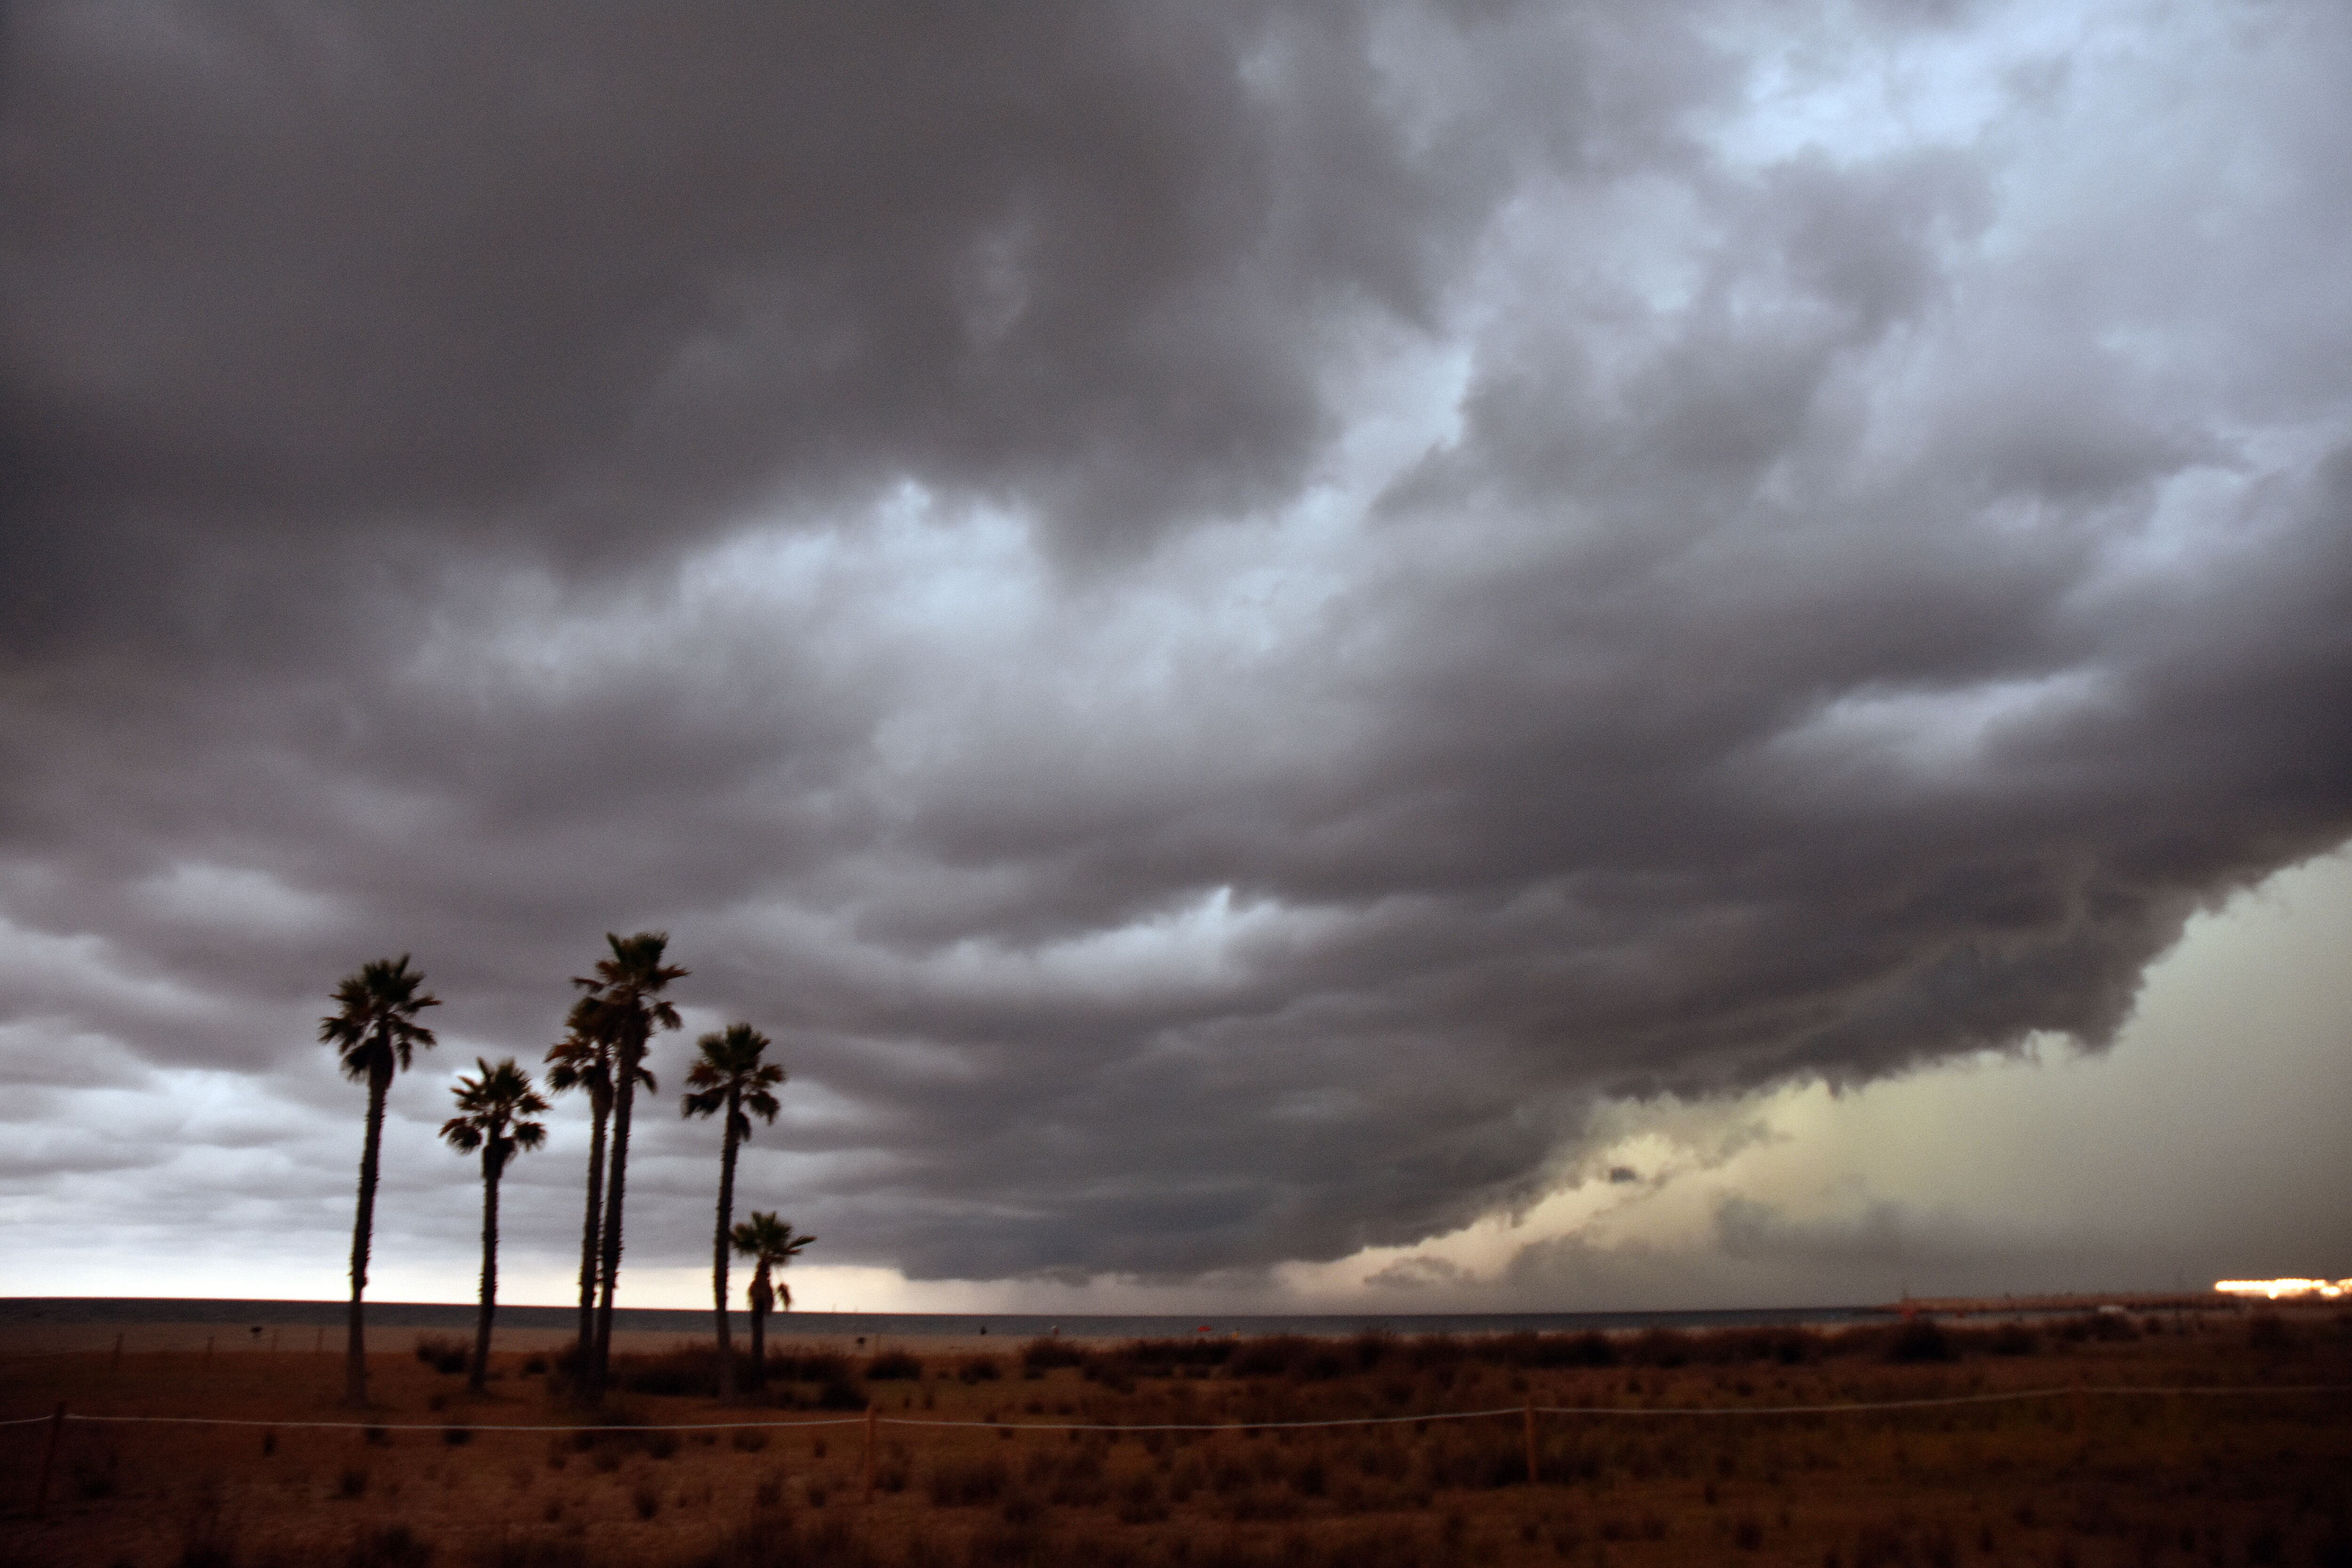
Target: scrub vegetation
(2080, 1478)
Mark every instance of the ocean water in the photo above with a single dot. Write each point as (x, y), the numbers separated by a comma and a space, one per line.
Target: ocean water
(1014, 1327)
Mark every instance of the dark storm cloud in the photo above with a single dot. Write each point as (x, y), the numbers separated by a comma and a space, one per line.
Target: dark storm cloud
(856, 491)
(579, 284)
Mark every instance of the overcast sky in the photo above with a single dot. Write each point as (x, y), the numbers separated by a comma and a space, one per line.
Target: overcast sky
(1405, 655)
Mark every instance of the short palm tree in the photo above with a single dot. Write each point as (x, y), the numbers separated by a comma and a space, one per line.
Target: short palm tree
(582, 1059)
(491, 1112)
(373, 1030)
(626, 989)
(770, 1244)
(729, 1075)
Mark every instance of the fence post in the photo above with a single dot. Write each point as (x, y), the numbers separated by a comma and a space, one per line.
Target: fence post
(869, 1453)
(1530, 1418)
(48, 1458)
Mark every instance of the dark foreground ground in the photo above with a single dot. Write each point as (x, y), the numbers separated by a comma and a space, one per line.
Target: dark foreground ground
(2082, 1477)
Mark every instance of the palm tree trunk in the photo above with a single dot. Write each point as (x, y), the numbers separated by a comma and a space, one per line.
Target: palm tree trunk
(362, 1228)
(633, 1055)
(728, 1146)
(760, 1299)
(592, 1228)
(490, 1173)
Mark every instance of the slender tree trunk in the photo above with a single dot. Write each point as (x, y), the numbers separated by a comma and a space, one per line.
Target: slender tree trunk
(362, 1228)
(592, 1228)
(493, 1161)
(760, 1300)
(632, 1055)
(728, 1146)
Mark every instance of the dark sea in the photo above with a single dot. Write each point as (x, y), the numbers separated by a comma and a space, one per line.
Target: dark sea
(1015, 1326)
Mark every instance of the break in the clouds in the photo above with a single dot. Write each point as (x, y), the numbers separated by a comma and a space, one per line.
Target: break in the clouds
(1222, 617)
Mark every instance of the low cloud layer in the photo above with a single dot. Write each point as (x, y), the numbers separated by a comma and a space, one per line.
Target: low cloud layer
(1220, 622)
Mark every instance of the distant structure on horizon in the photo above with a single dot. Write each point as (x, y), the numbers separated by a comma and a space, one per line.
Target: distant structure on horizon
(2284, 1290)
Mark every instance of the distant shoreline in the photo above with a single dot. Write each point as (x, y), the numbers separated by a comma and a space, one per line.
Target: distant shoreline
(19, 1314)
(66, 1325)
(286, 1314)
(2074, 1301)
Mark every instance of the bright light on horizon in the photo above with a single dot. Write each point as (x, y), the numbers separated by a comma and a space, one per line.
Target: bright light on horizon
(2275, 1289)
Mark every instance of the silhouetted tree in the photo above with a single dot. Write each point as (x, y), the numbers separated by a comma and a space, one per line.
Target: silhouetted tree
(770, 1244)
(373, 1031)
(490, 1113)
(729, 1075)
(626, 989)
(582, 1059)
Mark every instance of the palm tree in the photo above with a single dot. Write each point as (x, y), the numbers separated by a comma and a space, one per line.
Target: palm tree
(491, 1110)
(731, 1075)
(584, 1059)
(373, 1030)
(771, 1243)
(627, 990)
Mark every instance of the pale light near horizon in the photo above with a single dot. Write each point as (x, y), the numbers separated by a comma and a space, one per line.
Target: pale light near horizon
(2282, 1289)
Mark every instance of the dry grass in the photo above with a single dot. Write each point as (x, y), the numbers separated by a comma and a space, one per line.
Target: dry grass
(2091, 1481)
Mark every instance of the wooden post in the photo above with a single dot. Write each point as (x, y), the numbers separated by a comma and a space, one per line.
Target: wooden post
(869, 1452)
(48, 1458)
(1530, 1418)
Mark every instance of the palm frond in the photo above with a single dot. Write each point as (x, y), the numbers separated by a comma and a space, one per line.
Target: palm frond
(374, 1025)
(494, 1108)
(729, 1068)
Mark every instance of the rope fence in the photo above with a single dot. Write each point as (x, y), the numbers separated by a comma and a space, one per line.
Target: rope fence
(2005, 1396)
(872, 1420)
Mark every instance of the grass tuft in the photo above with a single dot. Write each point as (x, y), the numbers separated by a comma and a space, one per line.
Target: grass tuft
(894, 1366)
(443, 1353)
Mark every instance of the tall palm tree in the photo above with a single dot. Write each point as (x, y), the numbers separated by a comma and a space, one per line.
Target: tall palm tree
(626, 989)
(582, 1059)
(491, 1110)
(373, 1030)
(768, 1242)
(729, 1075)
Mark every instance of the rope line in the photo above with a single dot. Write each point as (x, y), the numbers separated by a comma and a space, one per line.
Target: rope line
(1208, 1425)
(2011, 1396)
(457, 1425)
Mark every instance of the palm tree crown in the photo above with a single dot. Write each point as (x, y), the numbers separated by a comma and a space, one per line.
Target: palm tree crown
(491, 1112)
(584, 1058)
(627, 986)
(770, 1244)
(730, 1069)
(375, 1028)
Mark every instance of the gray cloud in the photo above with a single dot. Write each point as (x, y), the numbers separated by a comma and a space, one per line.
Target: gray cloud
(1756, 1253)
(949, 520)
